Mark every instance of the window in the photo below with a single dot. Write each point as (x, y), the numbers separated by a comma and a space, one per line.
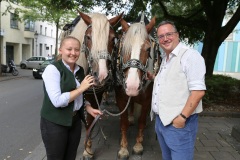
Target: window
(29, 25)
(40, 49)
(42, 58)
(45, 31)
(14, 21)
(15, 1)
(33, 59)
(41, 29)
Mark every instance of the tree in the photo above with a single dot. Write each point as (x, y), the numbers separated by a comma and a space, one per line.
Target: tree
(58, 12)
(208, 19)
(197, 20)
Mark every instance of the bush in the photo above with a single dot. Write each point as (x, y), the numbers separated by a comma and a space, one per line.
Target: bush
(222, 89)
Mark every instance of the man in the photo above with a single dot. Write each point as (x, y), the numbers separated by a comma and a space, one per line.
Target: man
(178, 89)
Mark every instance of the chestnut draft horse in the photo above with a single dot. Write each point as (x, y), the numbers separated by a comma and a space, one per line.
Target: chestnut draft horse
(97, 37)
(135, 53)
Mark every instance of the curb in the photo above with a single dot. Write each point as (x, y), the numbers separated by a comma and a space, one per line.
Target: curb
(39, 153)
(220, 114)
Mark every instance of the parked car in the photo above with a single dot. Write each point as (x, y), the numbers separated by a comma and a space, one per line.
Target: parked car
(33, 62)
(37, 72)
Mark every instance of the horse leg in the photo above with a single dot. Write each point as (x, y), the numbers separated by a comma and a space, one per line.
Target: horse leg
(105, 98)
(88, 152)
(131, 115)
(138, 147)
(121, 100)
(123, 153)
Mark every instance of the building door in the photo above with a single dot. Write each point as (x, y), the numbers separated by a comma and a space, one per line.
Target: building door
(9, 53)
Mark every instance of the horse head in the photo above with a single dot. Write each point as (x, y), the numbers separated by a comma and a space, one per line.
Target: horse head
(99, 43)
(134, 55)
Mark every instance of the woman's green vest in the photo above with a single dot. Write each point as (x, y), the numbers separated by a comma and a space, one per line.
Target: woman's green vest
(62, 115)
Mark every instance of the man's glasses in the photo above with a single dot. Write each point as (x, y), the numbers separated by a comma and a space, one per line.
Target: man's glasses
(167, 35)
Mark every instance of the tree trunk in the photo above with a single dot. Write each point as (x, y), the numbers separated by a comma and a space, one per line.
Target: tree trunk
(209, 52)
(0, 42)
(56, 45)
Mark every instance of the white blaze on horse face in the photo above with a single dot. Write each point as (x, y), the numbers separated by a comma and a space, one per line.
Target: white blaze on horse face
(103, 71)
(133, 81)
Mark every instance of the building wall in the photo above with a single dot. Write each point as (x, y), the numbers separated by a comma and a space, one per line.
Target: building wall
(46, 39)
(19, 44)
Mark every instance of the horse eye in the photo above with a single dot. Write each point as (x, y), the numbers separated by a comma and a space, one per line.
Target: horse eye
(149, 50)
(88, 37)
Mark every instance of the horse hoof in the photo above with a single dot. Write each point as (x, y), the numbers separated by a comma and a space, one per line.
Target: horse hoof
(138, 149)
(122, 158)
(123, 154)
(87, 158)
(87, 155)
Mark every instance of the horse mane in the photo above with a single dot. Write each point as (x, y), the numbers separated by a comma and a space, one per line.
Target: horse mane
(79, 32)
(100, 28)
(135, 36)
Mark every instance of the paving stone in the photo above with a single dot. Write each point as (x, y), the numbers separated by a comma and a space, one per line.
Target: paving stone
(204, 148)
(223, 156)
(210, 143)
(203, 156)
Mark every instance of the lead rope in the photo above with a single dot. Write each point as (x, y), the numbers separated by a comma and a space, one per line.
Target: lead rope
(98, 116)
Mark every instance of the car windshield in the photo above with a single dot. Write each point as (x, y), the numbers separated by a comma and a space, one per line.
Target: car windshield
(46, 63)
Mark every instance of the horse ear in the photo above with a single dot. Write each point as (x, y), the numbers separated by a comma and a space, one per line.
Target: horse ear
(86, 18)
(125, 25)
(113, 21)
(150, 25)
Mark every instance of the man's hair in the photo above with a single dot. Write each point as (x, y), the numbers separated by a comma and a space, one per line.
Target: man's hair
(167, 22)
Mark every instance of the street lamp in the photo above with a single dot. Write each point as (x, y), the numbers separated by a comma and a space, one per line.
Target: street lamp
(36, 37)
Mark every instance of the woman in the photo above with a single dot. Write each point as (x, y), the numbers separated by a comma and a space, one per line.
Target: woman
(63, 105)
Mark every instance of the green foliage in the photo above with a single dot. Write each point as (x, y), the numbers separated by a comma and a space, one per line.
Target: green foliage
(59, 12)
(222, 89)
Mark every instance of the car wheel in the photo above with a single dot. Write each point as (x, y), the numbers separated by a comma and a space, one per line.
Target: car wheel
(23, 66)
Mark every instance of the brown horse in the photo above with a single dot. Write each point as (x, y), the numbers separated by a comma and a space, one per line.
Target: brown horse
(134, 62)
(96, 34)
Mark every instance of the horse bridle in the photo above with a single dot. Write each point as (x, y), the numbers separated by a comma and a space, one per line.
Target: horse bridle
(101, 55)
(131, 63)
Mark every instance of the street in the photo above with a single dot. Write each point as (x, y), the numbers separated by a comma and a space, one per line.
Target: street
(20, 104)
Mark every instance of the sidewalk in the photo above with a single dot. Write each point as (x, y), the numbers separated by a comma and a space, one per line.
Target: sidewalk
(22, 73)
(213, 143)
(214, 140)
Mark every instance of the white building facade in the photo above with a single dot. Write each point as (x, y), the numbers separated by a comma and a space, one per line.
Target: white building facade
(22, 40)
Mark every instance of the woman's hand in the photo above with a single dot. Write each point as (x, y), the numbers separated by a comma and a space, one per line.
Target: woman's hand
(92, 111)
(86, 83)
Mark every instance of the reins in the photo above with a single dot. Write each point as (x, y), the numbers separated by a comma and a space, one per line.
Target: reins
(97, 90)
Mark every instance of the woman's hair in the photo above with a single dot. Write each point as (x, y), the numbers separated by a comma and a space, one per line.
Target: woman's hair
(167, 22)
(59, 56)
(67, 38)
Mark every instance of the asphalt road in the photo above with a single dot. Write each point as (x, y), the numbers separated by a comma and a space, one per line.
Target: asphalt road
(20, 104)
